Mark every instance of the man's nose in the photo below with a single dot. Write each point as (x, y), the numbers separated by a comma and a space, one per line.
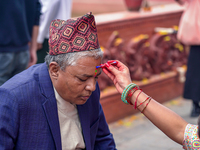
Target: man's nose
(91, 85)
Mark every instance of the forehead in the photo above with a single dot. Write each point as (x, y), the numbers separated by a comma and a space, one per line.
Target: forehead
(86, 65)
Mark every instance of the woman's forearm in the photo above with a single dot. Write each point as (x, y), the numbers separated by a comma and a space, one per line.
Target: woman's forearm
(166, 120)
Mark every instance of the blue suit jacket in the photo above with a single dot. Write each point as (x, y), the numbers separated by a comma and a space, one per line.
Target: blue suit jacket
(29, 116)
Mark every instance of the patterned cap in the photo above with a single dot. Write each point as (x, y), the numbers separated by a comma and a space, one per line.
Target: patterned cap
(73, 35)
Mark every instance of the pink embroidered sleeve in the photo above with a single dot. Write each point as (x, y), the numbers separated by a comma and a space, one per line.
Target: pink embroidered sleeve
(191, 139)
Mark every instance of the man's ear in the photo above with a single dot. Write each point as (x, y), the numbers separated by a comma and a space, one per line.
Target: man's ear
(54, 70)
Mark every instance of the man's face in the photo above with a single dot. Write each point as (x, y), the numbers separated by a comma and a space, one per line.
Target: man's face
(77, 83)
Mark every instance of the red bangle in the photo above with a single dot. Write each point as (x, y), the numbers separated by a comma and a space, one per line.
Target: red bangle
(144, 101)
(146, 106)
(130, 93)
(128, 98)
(136, 99)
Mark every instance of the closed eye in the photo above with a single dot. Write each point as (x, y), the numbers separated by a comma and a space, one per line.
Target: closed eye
(82, 80)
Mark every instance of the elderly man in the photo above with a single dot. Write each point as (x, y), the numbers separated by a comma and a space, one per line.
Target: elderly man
(56, 106)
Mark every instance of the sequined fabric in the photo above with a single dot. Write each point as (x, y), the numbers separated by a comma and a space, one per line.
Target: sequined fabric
(191, 139)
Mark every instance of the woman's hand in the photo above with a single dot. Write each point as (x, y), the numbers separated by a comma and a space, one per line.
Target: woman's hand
(119, 74)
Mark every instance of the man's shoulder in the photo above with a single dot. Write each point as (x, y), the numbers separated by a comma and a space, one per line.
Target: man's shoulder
(28, 76)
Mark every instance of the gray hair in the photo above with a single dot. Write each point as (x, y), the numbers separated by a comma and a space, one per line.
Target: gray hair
(70, 59)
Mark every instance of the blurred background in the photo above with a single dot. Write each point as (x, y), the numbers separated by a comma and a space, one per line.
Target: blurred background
(80, 7)
(141, 34)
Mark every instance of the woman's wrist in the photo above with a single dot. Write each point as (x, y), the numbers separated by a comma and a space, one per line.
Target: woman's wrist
(133, 95)
(126, 92)
(140, 100)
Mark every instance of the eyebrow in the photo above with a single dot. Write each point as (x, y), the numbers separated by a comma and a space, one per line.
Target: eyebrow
(86, 75)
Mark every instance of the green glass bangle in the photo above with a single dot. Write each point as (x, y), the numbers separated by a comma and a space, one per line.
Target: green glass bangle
(126, 90)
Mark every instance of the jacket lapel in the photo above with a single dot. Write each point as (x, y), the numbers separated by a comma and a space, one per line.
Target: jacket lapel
(50, 104)
(83, 115)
